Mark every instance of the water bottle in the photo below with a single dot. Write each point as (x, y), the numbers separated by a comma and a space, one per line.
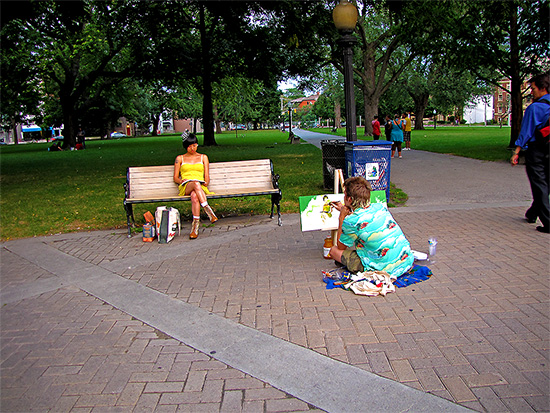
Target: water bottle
(432, 247)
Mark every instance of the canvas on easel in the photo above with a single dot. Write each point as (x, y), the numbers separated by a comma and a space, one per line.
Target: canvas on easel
(316, 213)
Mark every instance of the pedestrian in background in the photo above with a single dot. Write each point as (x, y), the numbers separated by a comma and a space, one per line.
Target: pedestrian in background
(533, 138)
(397, 135)
(376, 128)
(81, 138)
(407, 131)
(387, 127)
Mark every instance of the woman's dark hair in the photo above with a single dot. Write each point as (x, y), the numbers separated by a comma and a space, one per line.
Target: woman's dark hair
(188, 139)
(358, 189)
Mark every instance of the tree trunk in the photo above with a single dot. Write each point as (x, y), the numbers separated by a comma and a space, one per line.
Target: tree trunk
(217, 121)
(420, 104)
(371, 110)
(207, 106)
(69, 135)
(17, 131)
(156, 122)
(517, 111)
(207, 116)
(369, 86)
(337, 114)
(516, 97)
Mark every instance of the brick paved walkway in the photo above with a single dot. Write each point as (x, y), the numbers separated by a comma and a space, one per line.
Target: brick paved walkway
(66, 350)
(476, 333)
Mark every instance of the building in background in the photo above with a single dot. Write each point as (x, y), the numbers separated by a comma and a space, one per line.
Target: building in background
(503, 104)
(301, 102)
(479, 110)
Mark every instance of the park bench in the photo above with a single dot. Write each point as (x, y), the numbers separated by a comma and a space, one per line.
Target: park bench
(146, 184)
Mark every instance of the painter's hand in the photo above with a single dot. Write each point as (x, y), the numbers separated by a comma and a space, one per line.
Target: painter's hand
(337, 205)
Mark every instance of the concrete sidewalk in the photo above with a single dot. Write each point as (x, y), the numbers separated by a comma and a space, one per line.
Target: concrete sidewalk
(240, 320)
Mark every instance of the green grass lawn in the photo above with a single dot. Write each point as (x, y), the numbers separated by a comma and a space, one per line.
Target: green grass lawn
(50, 192)
(55, 192)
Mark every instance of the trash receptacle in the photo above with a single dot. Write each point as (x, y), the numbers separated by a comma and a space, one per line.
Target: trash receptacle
(333, 158)
(372, 161)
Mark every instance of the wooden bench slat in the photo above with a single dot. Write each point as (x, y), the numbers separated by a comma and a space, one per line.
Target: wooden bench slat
(234, 185)
(145, 192)
(157, 197)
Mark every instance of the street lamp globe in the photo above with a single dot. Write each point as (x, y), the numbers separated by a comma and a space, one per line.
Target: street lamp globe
(345, 16)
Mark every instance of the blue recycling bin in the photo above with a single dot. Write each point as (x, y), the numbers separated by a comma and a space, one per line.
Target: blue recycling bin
(372, 161)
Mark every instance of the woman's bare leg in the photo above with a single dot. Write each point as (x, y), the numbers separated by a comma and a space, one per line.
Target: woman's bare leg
(195, 190)
(195, 205)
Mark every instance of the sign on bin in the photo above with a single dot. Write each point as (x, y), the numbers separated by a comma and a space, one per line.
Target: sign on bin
(372, 171)
(371, 160)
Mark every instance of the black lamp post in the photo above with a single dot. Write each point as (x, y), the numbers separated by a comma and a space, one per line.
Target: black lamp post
(345, 18)
(289, 120)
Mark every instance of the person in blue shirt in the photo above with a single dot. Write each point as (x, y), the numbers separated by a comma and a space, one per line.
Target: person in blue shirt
(379, 243)
(536, 152)
(397, 128)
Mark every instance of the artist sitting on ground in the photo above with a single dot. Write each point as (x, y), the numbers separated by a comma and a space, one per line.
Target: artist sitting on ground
(379, 242)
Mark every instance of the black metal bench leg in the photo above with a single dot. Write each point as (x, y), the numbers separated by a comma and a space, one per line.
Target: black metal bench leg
(130, 221)
(276, 200)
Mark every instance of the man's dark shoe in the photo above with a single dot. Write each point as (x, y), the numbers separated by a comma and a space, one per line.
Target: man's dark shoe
(546, 230)
(531, 215)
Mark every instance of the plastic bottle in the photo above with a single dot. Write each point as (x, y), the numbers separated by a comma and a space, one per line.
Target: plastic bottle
(432, 248)
(326, 248)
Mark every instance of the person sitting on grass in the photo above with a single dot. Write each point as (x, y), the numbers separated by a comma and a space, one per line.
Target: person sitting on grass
(55, 147)
(379, 243)
(192, 174)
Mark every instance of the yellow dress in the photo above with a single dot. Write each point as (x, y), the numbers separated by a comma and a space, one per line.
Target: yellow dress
(192, 172)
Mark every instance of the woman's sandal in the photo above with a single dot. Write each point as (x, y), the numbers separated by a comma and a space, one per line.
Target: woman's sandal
(210, 213)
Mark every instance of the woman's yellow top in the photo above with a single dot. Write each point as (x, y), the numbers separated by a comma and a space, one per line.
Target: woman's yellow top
(192, 172)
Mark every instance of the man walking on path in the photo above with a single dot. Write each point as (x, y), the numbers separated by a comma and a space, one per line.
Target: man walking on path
(536, 154)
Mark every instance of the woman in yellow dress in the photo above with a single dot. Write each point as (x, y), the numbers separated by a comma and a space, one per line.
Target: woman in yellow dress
(191, 173)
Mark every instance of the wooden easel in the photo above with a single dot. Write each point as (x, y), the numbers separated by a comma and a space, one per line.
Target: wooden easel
(338, 183)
